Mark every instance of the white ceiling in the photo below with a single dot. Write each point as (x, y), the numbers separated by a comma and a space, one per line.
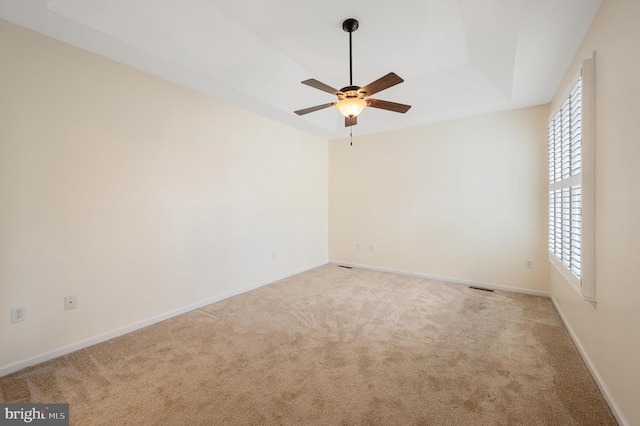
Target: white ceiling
(457, 57)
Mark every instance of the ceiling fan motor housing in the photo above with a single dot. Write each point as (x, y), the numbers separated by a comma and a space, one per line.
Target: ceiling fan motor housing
(351, 92)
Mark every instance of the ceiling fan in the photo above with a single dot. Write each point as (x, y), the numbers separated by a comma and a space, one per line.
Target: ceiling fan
(353, 99)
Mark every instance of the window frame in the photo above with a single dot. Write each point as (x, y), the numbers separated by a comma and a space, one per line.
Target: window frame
(585, 284)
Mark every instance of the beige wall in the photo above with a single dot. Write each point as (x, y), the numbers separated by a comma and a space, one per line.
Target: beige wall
(609, 332)
(463, 199)
(137, 195)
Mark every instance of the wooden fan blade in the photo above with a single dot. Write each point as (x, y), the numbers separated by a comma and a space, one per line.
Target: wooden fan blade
(382, 83)
(321, 86)
(350, 121)
(314, 108)
(390, 106)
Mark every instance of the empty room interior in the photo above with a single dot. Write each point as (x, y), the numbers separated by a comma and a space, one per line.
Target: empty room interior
(189, 235)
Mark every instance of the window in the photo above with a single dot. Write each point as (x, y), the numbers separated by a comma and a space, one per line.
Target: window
(570, 184)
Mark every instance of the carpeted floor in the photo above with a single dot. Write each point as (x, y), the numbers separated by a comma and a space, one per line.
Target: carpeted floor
(332, 346)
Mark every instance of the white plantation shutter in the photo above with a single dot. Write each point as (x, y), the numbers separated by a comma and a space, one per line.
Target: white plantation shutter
(565, 185)
(566, 155)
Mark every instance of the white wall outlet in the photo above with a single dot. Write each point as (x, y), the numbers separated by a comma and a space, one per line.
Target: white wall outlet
(71, 302)
(529, 264)
(274, 255)
(357, 246)
(18, 314)
(372, 247)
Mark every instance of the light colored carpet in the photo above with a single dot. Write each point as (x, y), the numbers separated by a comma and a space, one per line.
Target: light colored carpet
(333, 346)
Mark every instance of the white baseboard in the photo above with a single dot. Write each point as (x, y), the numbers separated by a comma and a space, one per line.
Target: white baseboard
(85, 343)
(479, 284)
(594, 371)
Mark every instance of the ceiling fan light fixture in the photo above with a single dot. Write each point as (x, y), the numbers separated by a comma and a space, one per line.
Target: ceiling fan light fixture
(351, 107)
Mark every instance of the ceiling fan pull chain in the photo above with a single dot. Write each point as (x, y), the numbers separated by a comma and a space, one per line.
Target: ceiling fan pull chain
(351, 134)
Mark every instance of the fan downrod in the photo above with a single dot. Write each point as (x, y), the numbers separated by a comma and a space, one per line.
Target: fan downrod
(350, 25)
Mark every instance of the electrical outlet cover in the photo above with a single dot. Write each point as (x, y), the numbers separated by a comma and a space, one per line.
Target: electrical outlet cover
(18, 314)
